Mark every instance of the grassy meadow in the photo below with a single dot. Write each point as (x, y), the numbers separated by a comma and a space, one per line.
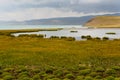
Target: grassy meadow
(36, 58)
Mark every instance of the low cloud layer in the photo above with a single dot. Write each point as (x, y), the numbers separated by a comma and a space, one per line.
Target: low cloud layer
(37, 9)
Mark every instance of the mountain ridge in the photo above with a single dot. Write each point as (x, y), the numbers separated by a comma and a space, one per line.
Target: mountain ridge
(56, 21)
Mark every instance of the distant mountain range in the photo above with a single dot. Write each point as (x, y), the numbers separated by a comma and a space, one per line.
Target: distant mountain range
(57, 21)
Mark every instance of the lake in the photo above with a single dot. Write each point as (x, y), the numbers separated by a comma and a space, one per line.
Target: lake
(66, 31)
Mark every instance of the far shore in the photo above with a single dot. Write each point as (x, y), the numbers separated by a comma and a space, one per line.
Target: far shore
(102, 27)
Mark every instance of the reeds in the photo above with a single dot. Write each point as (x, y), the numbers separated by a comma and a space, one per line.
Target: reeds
(24, 58)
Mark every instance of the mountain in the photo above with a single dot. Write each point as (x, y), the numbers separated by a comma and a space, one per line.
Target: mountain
(60, 21)
(56, 21)
(104, 22)
(11, 22)
(65, 20)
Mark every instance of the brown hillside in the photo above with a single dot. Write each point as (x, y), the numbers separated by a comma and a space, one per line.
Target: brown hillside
(104, 21)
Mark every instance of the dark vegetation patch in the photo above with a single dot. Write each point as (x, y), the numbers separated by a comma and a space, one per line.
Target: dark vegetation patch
(33, 58)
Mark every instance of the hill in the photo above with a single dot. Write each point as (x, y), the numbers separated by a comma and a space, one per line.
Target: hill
(64, 20)
(104, 22)
(56, 21)
(60, 21)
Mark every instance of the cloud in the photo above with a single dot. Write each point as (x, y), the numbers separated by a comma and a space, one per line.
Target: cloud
(40, 13)
(90, 1)
(84, 1)
(36, 9)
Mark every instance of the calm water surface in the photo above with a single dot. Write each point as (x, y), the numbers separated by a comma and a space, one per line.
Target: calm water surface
(101, 32)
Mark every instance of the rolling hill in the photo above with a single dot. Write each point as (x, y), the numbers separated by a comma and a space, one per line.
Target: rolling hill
(104, 22)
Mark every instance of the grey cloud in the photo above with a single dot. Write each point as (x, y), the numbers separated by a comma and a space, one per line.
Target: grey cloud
(74, 5)
(68, 5)
(58, 6)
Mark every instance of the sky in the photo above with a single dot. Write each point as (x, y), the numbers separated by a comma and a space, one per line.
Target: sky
(20, 10)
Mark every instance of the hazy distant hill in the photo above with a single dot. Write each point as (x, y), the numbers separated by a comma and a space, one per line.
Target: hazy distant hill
(104, 21)
(64, 20)
(10, 22)
(55, 21)
(61, 21)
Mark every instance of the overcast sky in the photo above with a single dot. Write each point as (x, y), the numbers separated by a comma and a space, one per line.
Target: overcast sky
(20, 10)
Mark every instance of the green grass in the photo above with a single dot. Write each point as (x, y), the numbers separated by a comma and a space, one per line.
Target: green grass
(111, 33)
(9, 32)
(33, 57)
(73, 31)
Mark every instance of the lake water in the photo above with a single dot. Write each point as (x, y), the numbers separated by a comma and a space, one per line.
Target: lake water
(101, 32)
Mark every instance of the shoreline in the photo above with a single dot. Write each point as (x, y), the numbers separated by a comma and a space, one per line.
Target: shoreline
(9, 32)
(102, 27)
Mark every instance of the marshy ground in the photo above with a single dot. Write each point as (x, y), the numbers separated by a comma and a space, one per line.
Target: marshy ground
(36, 58)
